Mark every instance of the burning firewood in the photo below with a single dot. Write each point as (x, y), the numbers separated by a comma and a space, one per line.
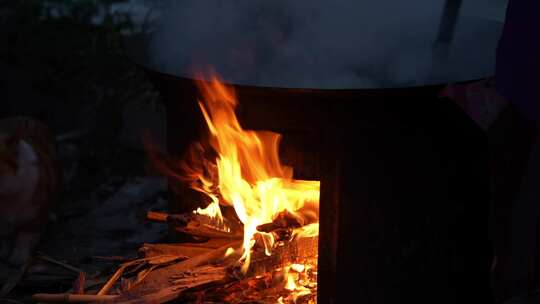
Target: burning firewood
(299, 250)
(232, 290)
(188, 250)
(252, 188)
(167, 281)
(286, 222)
(201, 230)
(292, 284)
(191, 224)
(175, 219)
(200, 277)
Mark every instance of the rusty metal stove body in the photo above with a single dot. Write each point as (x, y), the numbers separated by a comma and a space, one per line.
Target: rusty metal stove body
(404, 184)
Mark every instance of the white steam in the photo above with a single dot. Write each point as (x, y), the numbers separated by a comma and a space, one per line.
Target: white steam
(319, 44)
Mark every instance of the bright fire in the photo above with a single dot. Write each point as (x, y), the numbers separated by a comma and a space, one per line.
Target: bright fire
(250, 176)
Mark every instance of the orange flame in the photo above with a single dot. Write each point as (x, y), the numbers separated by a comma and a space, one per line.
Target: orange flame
(250, 176)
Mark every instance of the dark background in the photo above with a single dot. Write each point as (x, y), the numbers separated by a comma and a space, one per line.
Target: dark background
(64, 63)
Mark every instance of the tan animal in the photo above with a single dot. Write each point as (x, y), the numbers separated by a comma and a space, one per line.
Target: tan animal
(29, 184)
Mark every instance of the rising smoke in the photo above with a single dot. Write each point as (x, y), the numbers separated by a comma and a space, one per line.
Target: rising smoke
(319, 43)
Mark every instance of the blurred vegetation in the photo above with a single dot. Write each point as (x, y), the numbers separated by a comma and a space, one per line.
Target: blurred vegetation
(73, 51)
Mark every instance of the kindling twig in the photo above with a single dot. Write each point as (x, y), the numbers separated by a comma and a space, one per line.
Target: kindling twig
(154, 261)
(112, 280)
(70, 298)
(49, 259)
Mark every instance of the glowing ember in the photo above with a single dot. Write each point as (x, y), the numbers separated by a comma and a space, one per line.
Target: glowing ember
(229, 252)
(250, 176)
(298, 282)
(298, 267)
(291, 285)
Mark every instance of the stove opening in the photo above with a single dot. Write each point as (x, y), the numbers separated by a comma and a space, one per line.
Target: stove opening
(249, 196)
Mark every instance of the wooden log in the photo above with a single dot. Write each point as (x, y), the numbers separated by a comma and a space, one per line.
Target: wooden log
(177, 219)
(299, 250)
(188, 277)
(159, 277)
(154, 262)
(290, 220)
(201, 230)
(205, 258)
(229, 291)
(186, 249)
(151, 250)
(201, 276)
(284, 220)
(159, 289)
(265, 288)
(187, 223)
(198, 278)
(71, 298)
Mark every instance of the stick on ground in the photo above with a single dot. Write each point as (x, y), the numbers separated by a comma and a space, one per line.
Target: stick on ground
(70, 298)
(49, 259)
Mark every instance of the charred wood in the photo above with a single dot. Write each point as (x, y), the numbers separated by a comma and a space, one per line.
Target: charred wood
(189, 223)
(290, 220)
(151, 250)
(175, 219)
(298, 250)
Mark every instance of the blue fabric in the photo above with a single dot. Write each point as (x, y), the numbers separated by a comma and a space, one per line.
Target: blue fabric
(517, 72)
